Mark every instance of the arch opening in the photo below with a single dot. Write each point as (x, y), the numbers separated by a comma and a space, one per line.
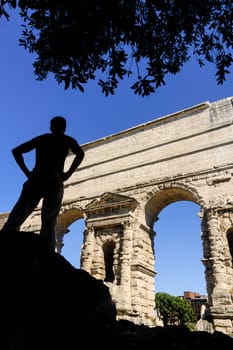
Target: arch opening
(230, 242)
(178, 250)
(108, 249)
(167, 196)
(72, 242)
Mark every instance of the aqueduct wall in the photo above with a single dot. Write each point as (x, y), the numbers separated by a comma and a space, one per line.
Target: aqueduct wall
(124, 182)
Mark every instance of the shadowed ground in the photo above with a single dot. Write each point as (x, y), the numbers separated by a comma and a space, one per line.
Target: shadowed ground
(45, 302)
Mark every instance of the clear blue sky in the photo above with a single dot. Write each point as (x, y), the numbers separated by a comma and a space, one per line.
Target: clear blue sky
(27, 106)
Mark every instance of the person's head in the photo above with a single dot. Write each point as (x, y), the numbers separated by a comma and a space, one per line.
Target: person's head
(58, 124)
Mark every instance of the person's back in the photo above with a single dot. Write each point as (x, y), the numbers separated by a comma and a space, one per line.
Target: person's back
(46, 178)
(51, 152)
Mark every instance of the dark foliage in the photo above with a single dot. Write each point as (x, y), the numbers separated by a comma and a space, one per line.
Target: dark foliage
(171, 307)
(78, 41)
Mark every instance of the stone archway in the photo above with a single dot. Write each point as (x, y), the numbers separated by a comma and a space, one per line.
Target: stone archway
(160, 197)
(178, 252)
(125, 180)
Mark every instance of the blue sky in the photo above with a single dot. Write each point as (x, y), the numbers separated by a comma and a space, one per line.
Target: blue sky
(27, 106)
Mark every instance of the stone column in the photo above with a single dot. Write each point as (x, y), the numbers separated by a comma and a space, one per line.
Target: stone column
(217, 257)
(61, 230)
(59, 243)
(87, 249)
(220, 299)
(125, 267)
(142, 276)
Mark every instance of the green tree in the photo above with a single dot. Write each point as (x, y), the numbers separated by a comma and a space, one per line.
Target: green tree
(83, 40)
(174, 308)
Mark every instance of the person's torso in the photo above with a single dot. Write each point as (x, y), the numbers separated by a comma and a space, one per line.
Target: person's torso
(51, 152)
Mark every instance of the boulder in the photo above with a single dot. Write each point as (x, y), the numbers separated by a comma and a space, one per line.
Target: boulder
(46, 303)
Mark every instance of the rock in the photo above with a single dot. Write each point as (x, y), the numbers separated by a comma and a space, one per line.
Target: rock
(46, 303)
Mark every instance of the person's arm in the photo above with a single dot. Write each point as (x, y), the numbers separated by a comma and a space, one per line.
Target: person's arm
(18, 155)
(79, 155)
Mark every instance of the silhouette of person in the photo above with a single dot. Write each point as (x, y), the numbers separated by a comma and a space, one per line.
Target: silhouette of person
(45, 181)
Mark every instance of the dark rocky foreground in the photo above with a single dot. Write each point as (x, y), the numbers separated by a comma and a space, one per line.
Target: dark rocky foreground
(46, 303)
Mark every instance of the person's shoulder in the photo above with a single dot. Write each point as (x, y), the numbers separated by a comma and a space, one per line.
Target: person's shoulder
(41, 139)
(42, 136)
(34, 139)
(74, 145)
(70, 138)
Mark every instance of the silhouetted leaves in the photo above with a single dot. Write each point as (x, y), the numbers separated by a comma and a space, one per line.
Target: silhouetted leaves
(3, 3)
(84, 40)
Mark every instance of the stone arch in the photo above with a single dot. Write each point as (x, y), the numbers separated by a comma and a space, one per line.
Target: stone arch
(166, 194)
(67, 217)
(160, 197)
